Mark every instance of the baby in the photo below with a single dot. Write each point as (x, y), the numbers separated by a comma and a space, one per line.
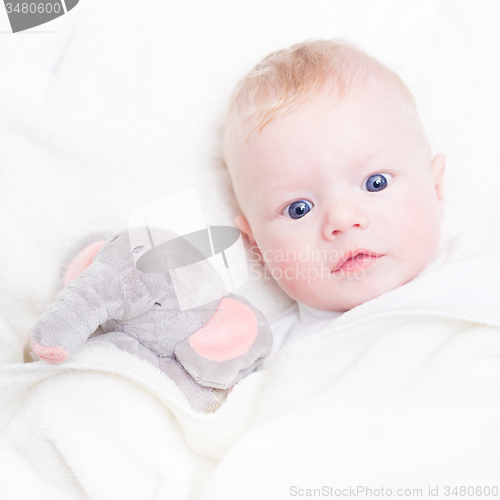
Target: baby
(333, 173)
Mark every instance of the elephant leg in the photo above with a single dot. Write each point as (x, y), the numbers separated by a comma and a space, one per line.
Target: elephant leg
(201, 398)
(127, 343)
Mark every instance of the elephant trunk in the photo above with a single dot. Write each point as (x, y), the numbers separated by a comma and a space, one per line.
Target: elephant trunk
(96, 296)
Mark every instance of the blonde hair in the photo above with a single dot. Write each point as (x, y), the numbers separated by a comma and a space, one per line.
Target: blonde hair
(291, 77)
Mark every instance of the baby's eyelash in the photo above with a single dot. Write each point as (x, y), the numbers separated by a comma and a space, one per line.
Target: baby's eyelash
(297, 209)
(376, 182)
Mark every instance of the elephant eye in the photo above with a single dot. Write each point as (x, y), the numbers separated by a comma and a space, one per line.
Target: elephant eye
(157, 304)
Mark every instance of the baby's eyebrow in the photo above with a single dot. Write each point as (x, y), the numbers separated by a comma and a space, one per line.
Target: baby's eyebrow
(377, 158)
(280, 206)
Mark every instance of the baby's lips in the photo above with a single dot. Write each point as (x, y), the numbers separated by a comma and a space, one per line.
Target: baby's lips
(353, 254)
(54, 354)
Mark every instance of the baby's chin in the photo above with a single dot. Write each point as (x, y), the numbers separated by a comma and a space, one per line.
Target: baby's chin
(328, 301)
(343, 298)
(341, 306)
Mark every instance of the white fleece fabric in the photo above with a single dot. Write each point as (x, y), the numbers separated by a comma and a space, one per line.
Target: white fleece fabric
(399, 392)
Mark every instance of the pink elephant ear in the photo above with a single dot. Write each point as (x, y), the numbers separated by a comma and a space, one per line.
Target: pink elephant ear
(82, 261)
(228, 347)
(229, 334)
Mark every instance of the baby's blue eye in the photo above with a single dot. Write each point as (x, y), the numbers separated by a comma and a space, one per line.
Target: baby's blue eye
(377, 182)
(298, 209)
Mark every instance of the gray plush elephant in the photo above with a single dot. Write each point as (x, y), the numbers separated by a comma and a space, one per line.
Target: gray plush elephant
(204, 349)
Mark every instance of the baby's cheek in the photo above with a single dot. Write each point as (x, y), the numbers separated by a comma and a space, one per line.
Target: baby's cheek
(417, 230)
(297, 278)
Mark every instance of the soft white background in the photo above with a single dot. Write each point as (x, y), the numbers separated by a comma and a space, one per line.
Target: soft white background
(120, 103)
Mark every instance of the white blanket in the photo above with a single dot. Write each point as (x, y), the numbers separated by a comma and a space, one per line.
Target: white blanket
(400, 392)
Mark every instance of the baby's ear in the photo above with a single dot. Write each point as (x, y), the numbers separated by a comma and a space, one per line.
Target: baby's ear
(438, 168)
(240, 221)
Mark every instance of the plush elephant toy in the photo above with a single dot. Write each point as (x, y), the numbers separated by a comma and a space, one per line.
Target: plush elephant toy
(204, 349)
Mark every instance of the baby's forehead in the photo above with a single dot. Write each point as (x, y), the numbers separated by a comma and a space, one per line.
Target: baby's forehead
(376, 105)
(374, 88)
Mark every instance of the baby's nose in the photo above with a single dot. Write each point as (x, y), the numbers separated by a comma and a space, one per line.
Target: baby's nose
(342, 217)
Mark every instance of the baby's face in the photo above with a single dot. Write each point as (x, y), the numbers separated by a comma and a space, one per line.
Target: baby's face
(331, 178)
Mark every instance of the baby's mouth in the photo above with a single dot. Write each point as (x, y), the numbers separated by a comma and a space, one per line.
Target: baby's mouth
(357, 259)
